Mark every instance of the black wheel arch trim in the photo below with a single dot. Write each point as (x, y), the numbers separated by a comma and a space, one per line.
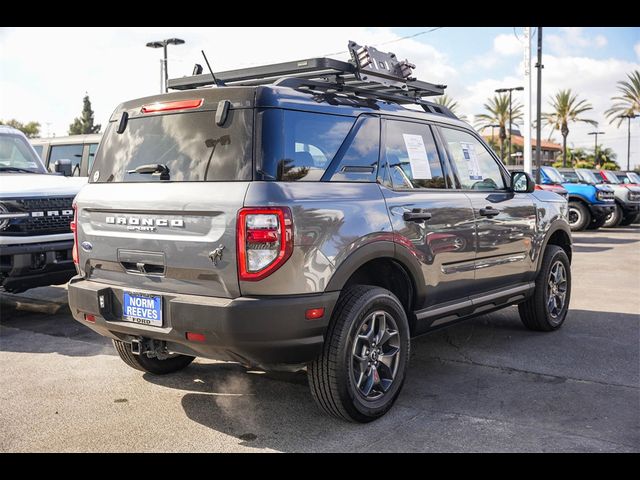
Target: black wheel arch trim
(375, 250)
(555, 226)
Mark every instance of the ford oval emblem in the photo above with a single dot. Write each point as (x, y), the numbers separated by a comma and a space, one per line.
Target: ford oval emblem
(86, 246)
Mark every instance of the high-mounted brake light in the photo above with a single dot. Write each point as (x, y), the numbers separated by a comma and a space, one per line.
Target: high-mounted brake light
(74, 228)
(265, 241)
(176, 105)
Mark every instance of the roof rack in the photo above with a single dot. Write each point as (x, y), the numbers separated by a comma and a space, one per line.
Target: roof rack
(370, 74)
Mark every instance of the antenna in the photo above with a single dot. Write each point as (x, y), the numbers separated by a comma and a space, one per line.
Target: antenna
(209, 67)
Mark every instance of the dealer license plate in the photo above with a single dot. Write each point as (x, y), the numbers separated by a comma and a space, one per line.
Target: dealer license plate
(142, 308)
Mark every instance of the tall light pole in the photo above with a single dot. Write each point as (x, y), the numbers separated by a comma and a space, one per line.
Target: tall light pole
(163, 44)
(502, 90)
(595, 147)
(629, 116)
(539, 66)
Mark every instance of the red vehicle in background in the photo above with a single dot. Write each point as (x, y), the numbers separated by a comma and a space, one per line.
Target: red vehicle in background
(559, 189)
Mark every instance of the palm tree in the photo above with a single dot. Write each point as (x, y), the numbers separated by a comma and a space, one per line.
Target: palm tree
(628, 102)
(498, 108)
(566, 108)
(447, 102)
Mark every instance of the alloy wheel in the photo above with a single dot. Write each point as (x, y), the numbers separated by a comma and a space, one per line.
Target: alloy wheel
(375, 355)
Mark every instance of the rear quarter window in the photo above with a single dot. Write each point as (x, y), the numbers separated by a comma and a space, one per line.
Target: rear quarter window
(299, 146)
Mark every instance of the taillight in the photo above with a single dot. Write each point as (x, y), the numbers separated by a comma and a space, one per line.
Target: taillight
(168, 106)
(74, 229)
(265, 241)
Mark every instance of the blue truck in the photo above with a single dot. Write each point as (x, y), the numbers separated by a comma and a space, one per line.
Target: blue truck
(589, 203)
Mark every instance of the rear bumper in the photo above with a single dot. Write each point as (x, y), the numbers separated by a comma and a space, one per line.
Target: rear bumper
(30, 265)
(599, 211)
(268, 332)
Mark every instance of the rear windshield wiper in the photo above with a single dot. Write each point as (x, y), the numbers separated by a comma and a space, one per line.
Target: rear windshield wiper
(16, 169)
(152, 169)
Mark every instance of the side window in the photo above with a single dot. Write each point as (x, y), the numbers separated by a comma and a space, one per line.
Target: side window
(38, 149)
(411, 156)
(92, 155)
(477, 169)
(72, 152)
(359, 163)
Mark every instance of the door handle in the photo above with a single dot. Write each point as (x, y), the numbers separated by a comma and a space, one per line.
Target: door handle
(489, 212)
(416, 215)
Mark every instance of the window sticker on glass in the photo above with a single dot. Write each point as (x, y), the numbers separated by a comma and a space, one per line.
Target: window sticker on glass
(469, 154)
(420, 168)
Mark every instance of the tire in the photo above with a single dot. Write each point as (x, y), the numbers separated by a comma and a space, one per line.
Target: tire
(626, 221)
(614, 218)
(536, 312)
(151, 365)
(579, 216)
(596, 223)
(340, 384)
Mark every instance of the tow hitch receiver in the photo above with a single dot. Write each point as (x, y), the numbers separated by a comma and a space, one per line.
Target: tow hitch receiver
(150, 347)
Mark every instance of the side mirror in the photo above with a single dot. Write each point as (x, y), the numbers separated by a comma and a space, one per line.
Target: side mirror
(63, 166)
(521, 182)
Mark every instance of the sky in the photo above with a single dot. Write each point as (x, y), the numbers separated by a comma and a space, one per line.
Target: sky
(45, 72)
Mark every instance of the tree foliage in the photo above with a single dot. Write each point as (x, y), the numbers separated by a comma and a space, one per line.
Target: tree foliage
(84, 124)
(566, 109)
(628, 101)
(497, 109)
(30, 129)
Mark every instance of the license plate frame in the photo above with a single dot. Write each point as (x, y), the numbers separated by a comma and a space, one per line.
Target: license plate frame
(142, 308)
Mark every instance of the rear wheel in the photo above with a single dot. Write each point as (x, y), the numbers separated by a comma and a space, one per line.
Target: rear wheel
(547, 308)
(614, 218)
(579, 216)
(362, 367)
(151, 365)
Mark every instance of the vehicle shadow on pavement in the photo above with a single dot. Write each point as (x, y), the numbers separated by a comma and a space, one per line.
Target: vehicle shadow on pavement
(588, 249)
(487, 373)
(58, 333)
(607, 240)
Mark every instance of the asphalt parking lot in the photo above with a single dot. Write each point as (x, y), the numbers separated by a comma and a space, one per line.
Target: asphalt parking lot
(486, 385)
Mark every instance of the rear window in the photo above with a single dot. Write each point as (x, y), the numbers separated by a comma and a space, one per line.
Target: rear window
(299, 146)
(190, 145)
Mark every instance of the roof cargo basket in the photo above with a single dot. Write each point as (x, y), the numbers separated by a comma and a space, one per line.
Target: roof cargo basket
(370, 74)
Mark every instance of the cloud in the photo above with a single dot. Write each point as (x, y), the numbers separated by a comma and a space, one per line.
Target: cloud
(636, 48)
(505, 44)
(592, 79)
(114, 65)
(572, 41)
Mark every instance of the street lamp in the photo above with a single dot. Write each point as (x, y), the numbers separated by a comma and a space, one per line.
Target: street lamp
(502, 90)
(163, 44)
(595, 147)
(629, 116)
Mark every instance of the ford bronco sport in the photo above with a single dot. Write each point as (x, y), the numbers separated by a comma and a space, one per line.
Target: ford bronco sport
(299, 215)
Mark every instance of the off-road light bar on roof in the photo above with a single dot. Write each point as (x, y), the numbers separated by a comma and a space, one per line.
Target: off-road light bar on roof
(370, 74)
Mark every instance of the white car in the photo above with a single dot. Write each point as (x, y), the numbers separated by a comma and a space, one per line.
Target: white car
(36, 211)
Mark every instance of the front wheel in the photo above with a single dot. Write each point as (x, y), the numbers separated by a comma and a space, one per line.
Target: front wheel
(363, 363)
(151, 365)
(579, 216)
(626, 221)
(614, 218)
(547, 308)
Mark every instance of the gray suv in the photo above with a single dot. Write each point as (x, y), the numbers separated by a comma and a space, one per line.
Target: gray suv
(299, 215)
